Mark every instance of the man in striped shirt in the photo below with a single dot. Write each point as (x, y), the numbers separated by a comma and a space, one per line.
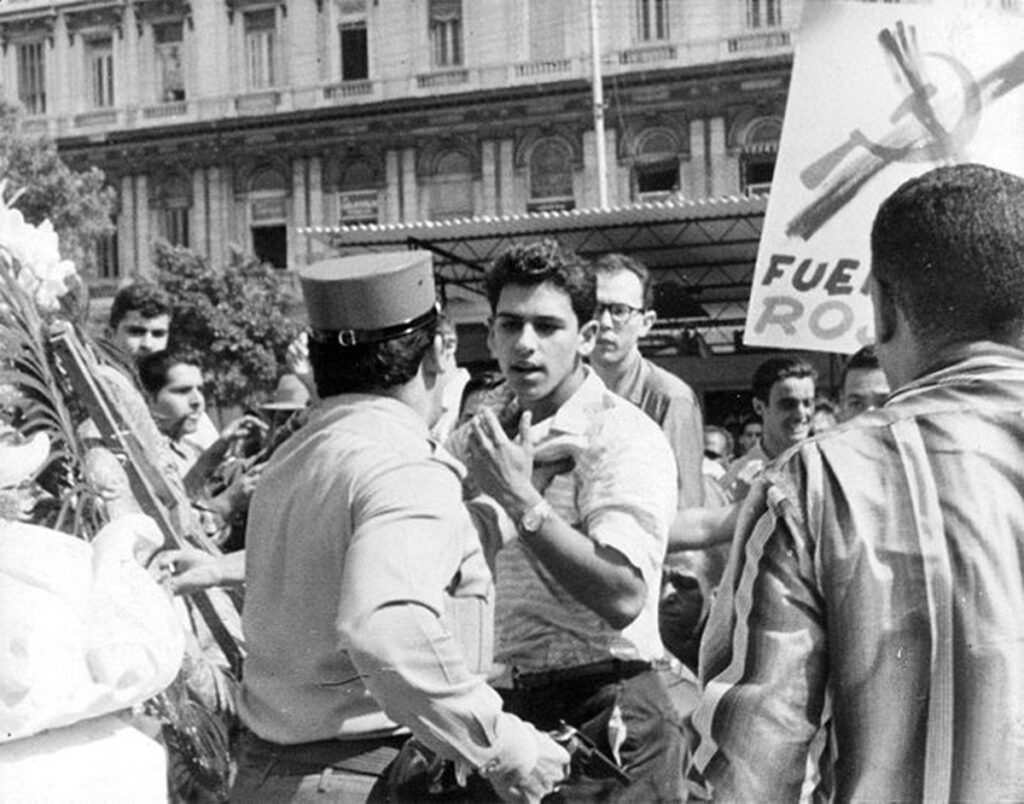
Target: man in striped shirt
(874, 589)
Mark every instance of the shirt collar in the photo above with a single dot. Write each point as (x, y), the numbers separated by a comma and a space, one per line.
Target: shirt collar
(572, 417)
(397, 411)
(958, 361)
(631, 385)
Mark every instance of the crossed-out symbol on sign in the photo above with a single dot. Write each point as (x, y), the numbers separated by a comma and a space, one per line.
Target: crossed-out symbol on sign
(905, 144)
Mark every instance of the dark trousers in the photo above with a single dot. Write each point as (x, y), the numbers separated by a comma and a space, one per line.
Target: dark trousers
(321, 772)
(637, 709)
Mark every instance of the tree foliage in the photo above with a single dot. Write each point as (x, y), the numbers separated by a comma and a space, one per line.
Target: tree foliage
(234, 320)
(77, 203)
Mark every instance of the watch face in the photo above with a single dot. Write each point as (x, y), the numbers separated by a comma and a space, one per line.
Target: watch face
(534, 518)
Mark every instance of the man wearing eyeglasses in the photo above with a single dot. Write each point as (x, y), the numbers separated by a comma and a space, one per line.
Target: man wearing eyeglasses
(624, 314)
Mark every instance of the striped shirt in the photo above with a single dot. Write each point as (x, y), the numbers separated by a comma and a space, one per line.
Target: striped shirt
(621, 493)
(875, 592)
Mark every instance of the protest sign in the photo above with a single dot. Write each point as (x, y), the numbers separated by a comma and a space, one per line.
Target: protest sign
(880, 93)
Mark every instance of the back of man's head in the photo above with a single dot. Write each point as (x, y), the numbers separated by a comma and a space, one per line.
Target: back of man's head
(373, 319)
(146, 298)
(948, 247)
(775, 369)
(544, 261)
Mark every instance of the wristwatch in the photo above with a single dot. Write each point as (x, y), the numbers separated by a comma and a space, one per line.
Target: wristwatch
(534, 517)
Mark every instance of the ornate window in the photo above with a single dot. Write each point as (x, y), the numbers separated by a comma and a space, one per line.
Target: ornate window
(107, 264)
(551, 176)
(764, 13)
(452, 187)
(757, 162)
(359, 194)
(174, 204)
(170, 57)
(355, 54)
(652, 20)
(32, 77)
(446, 32)
(656, 165)
(260, 47)
(99, 57)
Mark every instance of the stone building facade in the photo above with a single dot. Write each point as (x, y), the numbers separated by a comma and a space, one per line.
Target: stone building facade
(235, 123)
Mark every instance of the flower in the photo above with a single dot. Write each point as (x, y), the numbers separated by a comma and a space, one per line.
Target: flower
(36, 248)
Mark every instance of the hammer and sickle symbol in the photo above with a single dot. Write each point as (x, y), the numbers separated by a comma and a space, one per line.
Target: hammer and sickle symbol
(940, 143)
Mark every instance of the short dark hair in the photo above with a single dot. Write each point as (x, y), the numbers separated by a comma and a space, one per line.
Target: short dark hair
(863, 358)
(368, 367)
(154, 367)
(749, 419)
(775, 369)
(949, 248)
(543, 261)
(481, 381)
(149, 299)
(615, 262)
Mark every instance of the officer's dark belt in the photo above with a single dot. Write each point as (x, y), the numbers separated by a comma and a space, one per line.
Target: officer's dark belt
(370, 755)
(605, 672)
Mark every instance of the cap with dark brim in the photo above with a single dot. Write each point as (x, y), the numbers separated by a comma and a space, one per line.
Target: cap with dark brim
(357, 337)
(369, 298)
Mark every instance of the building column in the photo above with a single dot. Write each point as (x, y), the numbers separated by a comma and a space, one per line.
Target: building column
(410, 189)
(126, 245)
(64, 97)
(489, 178)
(507, 179)
(300, 212)
(721, 163)
(316, 204)
(144, 246)
(393, 180)
(199, 236)
(588, 192)
(128, 89)
(614, 178)
(695, 172)
(216, 234)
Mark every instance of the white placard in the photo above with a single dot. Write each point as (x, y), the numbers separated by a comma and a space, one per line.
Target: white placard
(880, 93)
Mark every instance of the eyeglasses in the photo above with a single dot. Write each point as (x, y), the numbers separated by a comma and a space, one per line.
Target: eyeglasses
(619, 313)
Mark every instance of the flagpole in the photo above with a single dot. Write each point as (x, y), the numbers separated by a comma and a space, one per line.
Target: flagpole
(595, 60)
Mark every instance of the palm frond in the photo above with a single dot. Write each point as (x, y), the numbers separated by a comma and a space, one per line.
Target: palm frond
(41, 397)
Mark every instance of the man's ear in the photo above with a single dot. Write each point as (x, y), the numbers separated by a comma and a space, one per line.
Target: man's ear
(885, 313)
(759, 407)
(647, 320)
(433, 360)
(588, 338)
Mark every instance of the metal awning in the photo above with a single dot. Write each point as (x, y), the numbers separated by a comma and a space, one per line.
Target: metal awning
(705, 248)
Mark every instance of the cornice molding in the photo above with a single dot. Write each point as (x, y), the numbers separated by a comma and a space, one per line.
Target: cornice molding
(242, 5)
(150, 10)
(37, 26)
(106, 17)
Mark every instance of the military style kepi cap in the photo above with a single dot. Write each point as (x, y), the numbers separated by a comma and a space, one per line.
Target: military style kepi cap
(370, 297)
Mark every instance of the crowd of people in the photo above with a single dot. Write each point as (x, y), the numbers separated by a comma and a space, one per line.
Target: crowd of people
(554, 581)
